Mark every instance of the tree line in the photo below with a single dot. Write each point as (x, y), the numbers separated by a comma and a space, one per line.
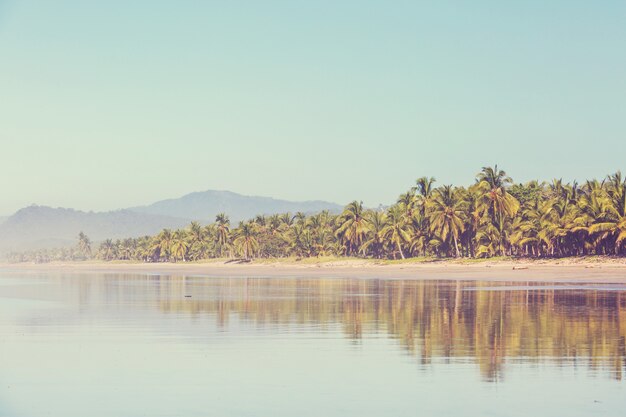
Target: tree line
(492, 217)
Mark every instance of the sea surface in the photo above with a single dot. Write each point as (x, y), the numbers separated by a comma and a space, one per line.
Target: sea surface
(159, 345)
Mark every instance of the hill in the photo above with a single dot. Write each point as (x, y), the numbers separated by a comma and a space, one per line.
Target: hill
(203, 206)
(37, 227)
(40, 226)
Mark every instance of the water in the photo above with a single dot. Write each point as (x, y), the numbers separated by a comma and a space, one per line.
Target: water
(149, 345)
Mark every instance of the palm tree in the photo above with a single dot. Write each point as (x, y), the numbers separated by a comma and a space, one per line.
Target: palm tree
(420, 234)
(287, 219)
(144, 251)
(299, 218)
(409, 202)
(107, 250)
(222, 236)
(375, 237)
(196, 236)
(353, 226)
(500, 204)
(612, 228)
(320, 226)
(301, 240)
(126, 249)
(179, 245)
(474, 217)
(84, 245)
(397, 231)
(196, 233)
(163, 244)
(446, 215)
(424, 186)
(246, 239)
(557, 226)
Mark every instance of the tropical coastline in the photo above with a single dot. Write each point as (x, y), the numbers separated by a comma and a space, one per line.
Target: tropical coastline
(338, 209)
(579, 269)
(492, 218)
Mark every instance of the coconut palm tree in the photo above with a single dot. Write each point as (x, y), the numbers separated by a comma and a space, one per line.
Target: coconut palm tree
(409, 202)
(222, 235)
(179, 245)
(84, 245)
(424, 186)
(353, 226)
(611, 230)
(420, 234)
(163, 243)
(500, 204)
(445, 211)
(474, 217)
(126, 249)
(197, 241)
(375, 241)
(246, 239)
(107, 250)
(397, 231)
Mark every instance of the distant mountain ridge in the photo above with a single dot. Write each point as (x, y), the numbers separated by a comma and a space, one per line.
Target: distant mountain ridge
(37, 227)
(205, 205)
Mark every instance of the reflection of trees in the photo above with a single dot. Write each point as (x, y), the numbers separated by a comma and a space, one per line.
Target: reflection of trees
(457, 320)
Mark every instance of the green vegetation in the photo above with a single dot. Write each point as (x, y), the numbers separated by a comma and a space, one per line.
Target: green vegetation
(490, 218)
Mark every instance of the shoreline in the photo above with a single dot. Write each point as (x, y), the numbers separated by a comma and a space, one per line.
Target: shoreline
(576, 270)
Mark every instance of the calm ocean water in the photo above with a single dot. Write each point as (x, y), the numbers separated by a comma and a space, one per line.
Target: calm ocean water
(150, 345)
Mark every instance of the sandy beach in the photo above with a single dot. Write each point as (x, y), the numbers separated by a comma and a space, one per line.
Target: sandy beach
(592, 270)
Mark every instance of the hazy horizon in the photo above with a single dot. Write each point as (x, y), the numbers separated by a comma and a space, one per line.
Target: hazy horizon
(111, 105)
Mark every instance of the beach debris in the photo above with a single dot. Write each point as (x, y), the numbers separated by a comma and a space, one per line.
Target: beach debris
(520, 267)
(238, 261)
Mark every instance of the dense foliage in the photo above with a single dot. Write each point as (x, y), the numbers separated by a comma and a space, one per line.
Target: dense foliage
(492, 217)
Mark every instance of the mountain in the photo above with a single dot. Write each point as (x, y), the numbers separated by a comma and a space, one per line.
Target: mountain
(40, 226)
(37, 227)
(203, 206)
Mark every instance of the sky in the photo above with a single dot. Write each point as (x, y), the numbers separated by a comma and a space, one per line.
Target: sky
(110, 104)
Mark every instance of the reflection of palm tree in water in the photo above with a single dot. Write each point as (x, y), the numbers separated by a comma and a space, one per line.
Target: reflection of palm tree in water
(432, 319)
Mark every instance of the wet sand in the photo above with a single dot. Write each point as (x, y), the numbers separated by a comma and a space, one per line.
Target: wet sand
(612, 271)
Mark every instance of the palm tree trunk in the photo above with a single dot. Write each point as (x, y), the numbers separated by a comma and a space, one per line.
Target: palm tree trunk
(400, 249)
(456, 246)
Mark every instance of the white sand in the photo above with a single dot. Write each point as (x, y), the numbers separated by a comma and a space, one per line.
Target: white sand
(569, 270)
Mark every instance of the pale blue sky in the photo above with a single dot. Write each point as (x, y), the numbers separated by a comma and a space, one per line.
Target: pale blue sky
(106, 104)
